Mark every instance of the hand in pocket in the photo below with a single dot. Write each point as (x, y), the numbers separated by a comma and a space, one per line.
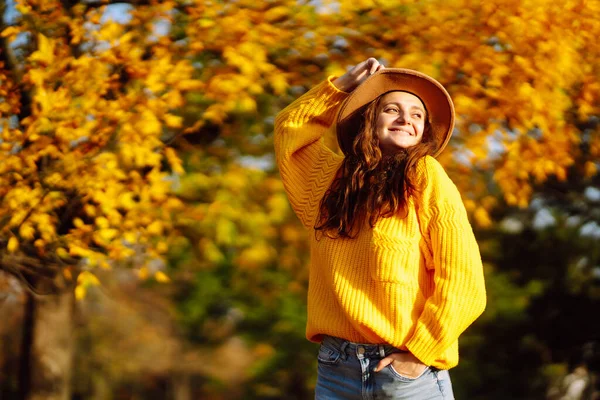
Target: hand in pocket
(405, 364)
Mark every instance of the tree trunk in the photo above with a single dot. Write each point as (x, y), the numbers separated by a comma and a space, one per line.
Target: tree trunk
(49, 349)
(26, 340)
(182, 389)
(101, 388)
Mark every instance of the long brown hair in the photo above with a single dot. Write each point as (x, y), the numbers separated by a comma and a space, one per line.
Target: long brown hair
(370, 185)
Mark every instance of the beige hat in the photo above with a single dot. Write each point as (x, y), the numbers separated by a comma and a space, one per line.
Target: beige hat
(436, 99)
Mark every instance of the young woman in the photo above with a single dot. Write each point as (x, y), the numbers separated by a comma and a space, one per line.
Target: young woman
(395, 272)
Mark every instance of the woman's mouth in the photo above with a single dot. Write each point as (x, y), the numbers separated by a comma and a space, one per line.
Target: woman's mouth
(399, 130)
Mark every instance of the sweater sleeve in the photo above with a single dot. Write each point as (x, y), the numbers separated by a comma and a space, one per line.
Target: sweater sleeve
(307, 166)
(459, 295)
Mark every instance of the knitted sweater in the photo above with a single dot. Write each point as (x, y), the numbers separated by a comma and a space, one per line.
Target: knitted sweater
(415, 281)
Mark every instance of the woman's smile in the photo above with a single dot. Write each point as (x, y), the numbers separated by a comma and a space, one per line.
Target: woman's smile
(401, 131)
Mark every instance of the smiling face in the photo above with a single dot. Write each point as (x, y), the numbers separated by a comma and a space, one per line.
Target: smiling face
(400, 121)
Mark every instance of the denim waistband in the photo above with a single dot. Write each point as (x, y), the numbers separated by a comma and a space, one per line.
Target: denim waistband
(366, 349)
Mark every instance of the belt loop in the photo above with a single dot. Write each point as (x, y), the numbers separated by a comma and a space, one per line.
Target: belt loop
(343, 350)
(382, 351)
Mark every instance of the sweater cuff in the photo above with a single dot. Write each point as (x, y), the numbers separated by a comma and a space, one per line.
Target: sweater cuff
(328, 99)
(332, 78)
(423, 345)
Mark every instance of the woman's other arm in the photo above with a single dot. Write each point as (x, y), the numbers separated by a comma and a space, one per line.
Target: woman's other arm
(305, 163)
(459, 295)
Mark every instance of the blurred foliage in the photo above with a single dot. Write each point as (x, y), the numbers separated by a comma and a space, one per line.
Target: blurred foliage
(543, 286)
(140, 147)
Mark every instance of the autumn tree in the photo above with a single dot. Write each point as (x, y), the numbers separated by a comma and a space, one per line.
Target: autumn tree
(145, 143)
(92, 113)
(86, 172)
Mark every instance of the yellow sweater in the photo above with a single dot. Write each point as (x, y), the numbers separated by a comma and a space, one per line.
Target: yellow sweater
(414, 282)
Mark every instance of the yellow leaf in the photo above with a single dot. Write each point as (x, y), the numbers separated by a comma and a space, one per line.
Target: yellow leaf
(206, 23)
(90, 210)
(80, 292)
(143, 273)
(149, 124)
(102, 222)
(62, 253)
(189, 84)
(210, 251)
(10, 31)
(23, 8)
(67, 274)
(103, 236)
(173, 99)
(45, 51)
(279, 84)
(13, 244)
(86, 278)
(131, 237)
(482, 217)
(155, 228)
(126, 201)
(37, 76)
(161, 277)
(105, 265)
(215, 113)
(26, 231)
(247, 104)
(257, 256)
(225, 232)
(162, 247)
(590, 169)
(78, 251)
(174, 161)
(111, 31)
(470, 205)
(173, 121)
(276, 13)
(561, 174)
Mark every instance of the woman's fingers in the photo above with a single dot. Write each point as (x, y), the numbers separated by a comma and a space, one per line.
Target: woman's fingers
(404, 363)
(370, 65)
(384, 362)
(368, 68)
(374, 65)
(357, 74)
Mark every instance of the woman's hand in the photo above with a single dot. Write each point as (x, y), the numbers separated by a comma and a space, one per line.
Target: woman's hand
(351, 79)
(406, 364)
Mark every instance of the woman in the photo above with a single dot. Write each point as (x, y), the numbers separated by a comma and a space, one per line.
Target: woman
(395, 272)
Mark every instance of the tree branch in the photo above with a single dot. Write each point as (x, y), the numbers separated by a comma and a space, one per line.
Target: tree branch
(10, 65)
(11, 265)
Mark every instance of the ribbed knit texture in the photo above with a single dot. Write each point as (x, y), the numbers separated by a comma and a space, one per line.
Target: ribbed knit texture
(415, 281)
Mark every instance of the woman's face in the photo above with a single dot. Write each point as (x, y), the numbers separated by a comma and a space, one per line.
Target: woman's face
(400, 121)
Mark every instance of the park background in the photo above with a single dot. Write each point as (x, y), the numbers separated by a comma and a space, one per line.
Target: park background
(147, 248)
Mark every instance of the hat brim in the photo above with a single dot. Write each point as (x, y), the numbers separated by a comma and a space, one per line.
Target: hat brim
(435, 98)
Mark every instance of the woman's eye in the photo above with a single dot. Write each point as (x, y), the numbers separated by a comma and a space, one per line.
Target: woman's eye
(391, 109)
(417, 116)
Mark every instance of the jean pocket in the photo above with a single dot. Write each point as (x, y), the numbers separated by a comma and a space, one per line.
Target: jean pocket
(328, 355)
(406, 378)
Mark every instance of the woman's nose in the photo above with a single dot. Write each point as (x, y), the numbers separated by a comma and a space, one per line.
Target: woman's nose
(401, 118)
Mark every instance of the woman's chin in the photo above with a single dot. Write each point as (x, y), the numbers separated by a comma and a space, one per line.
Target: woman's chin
(398, 148)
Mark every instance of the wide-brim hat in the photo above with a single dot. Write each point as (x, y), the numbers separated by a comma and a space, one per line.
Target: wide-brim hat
(436, 99)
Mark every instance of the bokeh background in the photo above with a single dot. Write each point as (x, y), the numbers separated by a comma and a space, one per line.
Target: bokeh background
(148, 251)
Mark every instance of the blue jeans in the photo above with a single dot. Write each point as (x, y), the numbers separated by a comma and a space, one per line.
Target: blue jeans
(346, 372)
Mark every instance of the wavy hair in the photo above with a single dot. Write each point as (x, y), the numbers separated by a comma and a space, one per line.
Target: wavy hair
(369, 185)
